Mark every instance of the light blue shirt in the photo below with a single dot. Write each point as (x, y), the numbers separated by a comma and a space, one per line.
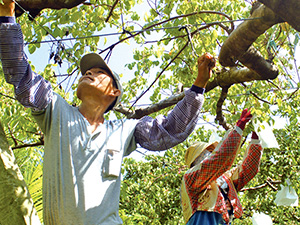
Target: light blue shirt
(85, 167)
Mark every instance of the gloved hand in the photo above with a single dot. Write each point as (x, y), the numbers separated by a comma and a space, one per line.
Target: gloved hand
(254, 135)
(245, 117)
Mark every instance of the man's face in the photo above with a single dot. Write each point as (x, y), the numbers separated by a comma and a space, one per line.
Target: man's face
(95, 80)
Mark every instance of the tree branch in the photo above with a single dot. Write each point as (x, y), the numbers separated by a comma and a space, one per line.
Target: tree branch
(7, 96)
(40, 143)
(286, 9)
(138, 113)
(224, 78)
(256, 96)
(219, 111)
(165, 21)
(34, 7)
(269, 182)
(238, 45)
(111, 10)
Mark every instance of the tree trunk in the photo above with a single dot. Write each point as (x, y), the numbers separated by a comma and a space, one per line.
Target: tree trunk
(16, 205)
(288, 10)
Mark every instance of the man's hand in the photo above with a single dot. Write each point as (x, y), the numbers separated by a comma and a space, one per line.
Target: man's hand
(8, 8)
(206, 63)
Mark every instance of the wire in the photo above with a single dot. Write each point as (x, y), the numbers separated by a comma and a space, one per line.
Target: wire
(31, 17)
(139, 31)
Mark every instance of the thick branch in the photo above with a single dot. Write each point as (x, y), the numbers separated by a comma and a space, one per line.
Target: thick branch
(140, 112)
(254, 61)
(224, 78)
(233, 76)
(288, 10)
(237, 45)
(35, 6)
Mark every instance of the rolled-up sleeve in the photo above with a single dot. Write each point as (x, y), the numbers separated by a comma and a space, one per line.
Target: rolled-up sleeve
(31, 89)
(165, 132)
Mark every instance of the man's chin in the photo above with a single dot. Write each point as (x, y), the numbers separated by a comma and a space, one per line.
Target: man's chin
(85, 89)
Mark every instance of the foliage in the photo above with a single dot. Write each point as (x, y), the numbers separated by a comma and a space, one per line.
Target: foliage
(150, 191)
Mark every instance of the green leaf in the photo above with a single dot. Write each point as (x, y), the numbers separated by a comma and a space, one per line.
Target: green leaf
(31, 48)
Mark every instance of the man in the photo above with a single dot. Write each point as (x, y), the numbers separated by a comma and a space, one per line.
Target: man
(209, 189)
(83, 152)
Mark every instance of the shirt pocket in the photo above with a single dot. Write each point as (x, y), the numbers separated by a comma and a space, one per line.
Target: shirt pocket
(112, 163)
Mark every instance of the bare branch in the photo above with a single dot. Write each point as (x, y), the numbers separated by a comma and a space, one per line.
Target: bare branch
(165, 21)
(34, 7)
(140, 112)
(219, 111)
(224, 78)
(7, 96)
(269, 182)
(111, 10)
(232, 76)
(40, 143)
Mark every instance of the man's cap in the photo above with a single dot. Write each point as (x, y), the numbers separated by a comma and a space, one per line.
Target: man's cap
(194, 151)
(94, 60)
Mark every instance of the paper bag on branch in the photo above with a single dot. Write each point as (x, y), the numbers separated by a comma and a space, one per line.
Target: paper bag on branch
(287, 196)
(261, 219)
(265, 134)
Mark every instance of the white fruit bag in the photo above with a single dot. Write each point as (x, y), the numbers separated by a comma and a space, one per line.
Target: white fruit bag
(287, 196)
(261, 219)
(265, 134)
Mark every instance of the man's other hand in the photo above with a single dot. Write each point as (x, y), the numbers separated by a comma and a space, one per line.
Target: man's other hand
(206, 63)
(8, 8)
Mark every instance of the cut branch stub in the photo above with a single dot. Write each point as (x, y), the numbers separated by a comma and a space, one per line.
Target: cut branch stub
(238, 43)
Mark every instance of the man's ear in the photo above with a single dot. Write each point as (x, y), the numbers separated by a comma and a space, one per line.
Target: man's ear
(115, 92)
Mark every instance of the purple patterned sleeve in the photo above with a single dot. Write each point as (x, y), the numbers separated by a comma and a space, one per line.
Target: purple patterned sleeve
(165, 132)
(31, 89)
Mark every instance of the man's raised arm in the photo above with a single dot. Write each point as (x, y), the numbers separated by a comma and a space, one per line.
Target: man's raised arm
(31, 90)
(162, 133)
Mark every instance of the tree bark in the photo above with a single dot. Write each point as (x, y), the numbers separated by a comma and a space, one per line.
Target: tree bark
(288, 10)
(35, 6)
(237, 46)
(16, 205)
